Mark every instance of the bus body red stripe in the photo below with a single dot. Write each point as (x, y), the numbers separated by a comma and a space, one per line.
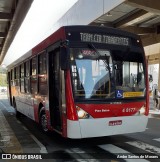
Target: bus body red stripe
(71, 110)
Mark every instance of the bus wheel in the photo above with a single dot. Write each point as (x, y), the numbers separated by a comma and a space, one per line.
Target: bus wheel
(43, 122)
(18, 114)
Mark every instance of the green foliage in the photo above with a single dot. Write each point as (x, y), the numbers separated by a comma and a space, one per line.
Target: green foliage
(3, 80)
(3, 77)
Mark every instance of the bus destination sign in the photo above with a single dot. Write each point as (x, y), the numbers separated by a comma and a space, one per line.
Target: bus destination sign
(107, 39)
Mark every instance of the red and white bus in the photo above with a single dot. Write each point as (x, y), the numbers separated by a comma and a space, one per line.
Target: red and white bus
(83, 81)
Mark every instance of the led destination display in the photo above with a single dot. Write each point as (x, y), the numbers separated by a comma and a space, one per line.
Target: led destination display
(98, 38)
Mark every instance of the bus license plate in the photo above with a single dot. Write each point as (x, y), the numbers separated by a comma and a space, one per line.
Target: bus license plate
(116, 122)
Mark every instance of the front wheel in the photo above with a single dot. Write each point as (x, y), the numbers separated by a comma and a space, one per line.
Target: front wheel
(43, 122)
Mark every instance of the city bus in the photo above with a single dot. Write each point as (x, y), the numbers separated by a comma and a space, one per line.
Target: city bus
(83, 82)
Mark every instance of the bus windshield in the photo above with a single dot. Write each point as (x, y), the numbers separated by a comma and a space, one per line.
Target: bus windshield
(102, 74)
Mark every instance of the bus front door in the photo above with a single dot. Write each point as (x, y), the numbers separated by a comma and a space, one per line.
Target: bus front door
(54, 90)
(9, 87)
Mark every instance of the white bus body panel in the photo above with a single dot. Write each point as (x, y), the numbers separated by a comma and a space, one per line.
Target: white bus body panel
(73, 129)
(26, 106)
(85, 128)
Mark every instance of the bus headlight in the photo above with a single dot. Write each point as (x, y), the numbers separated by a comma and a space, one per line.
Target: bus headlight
(82, 114)
(142, 110)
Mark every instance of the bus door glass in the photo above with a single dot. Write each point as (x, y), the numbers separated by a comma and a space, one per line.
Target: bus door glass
(9, 87)
(54, 89)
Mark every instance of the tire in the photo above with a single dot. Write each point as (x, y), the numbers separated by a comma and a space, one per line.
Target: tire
(43, 122)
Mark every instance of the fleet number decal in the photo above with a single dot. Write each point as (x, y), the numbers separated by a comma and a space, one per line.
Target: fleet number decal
(128, 110)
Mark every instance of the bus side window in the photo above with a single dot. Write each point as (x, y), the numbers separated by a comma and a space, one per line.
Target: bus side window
(26, 76)
(12, 77)
(42, 74)
(22, 78)
(33, 77)
(16, 75)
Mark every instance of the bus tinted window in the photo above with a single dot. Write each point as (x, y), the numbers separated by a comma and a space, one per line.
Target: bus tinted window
(22, 78)
(27, 79)
(34, 66)
(42, 81)
(22, 71)
(42, 63)
(27, 69)
(33, 75)
(12, 77)
(16, 75)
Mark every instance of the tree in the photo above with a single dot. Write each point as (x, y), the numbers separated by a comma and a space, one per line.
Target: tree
(3, 77)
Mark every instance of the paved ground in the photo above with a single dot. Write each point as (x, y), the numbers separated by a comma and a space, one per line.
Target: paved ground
(154, 111)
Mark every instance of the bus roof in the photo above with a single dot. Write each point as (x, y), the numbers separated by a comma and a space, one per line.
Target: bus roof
(61, 34)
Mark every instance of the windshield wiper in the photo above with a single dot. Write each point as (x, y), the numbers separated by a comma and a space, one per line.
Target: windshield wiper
(106, 61)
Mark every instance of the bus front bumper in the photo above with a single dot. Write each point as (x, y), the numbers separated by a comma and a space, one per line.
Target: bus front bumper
(86, 128)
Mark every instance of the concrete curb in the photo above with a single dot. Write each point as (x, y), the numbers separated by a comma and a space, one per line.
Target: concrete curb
(155, 113)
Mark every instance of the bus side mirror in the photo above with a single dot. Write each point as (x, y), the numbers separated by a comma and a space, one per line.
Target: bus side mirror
(64, 58)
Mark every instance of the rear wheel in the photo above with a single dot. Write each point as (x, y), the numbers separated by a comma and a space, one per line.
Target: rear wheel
(43, 122)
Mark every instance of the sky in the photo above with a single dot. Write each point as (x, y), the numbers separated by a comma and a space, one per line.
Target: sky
(40, 19)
